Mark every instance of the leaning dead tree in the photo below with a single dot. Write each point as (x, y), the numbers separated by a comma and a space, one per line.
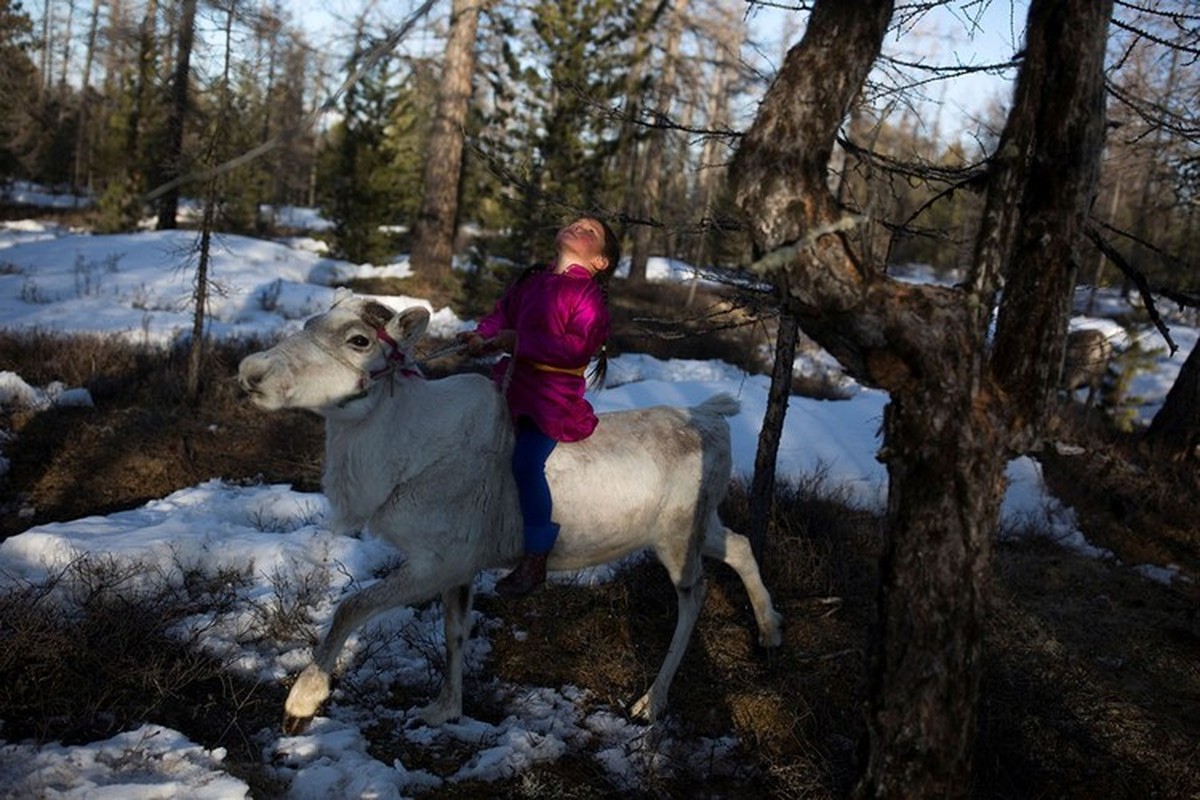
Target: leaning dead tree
(962, 402)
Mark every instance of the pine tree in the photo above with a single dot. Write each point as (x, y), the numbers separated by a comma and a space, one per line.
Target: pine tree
(18, 82)
(365, 190)
(562, 75)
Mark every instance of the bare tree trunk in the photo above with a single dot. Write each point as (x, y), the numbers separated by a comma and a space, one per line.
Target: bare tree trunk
(268, 30)
(1175, 429)
(717, 115)
(200, 292)
(81, 174)
(627, 157)
(141, 91)
(649, 188)
(195, 363)
(67, 41)
(44, 59)
(762, 486)
(168, 204)
(948, 430)
(1053, 138)
(437, 223)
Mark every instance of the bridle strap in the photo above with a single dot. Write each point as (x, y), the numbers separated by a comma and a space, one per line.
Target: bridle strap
(397, 361)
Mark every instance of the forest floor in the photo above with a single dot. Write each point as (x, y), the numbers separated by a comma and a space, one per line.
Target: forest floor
(1092, 681)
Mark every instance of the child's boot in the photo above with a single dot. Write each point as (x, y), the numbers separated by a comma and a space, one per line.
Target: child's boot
(529, 574)
(531, 571)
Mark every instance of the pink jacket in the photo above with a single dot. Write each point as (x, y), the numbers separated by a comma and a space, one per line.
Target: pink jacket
(561, 321)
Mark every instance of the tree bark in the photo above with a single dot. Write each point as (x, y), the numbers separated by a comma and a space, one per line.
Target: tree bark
(433, 233)
(1175, 429)
(141, 90)
(200, 291)
(195, 358)
(67, 41)
(44, 85)
(628, 156)
(81, 174)
(949, 427)
(762, 486)
(168, 204)
(649, 187)
(1057, 123)
(710, 177)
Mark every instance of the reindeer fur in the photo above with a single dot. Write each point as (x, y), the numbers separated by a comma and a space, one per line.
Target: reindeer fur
(425, 464)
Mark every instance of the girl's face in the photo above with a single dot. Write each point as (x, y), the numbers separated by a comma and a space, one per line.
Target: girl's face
(582, 242)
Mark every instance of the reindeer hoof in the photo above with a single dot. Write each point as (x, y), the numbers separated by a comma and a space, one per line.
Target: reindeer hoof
(438, 713)
(294, 726)
(643, 710)
(772, 635)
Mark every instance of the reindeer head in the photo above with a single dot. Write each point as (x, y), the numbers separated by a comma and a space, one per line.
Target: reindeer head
(336, 358)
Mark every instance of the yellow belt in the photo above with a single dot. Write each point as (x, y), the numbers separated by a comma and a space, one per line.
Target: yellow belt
(551, 368)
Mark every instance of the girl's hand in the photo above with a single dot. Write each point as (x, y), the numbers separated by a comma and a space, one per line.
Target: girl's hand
(505, 340)
(473, 341)
(478, 346)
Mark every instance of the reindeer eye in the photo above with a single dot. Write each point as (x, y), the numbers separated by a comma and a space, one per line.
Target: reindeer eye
(359, 342)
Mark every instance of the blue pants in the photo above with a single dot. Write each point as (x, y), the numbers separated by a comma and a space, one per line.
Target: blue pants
(530, 452)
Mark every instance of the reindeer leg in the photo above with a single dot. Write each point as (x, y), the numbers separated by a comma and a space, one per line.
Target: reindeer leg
(448, 706)
(405, 586)
(734, 549)
(687, 573)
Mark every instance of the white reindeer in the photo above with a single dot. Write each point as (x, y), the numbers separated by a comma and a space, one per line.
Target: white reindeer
(426, 465)
(1085, 362)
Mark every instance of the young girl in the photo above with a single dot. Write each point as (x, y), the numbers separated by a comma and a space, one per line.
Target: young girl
(551, 321)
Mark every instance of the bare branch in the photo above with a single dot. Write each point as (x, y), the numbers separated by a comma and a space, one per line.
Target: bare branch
(1139, 280)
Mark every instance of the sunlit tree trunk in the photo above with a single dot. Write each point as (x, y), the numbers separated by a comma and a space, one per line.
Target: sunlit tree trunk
(949, 428)
(437, 223)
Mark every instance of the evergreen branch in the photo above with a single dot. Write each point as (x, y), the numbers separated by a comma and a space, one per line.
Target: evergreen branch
(511, 179)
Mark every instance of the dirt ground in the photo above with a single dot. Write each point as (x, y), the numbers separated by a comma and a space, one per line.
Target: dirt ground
(1093, 683)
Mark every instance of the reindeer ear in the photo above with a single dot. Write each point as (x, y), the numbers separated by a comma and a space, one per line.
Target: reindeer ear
(341, 295)
(408, 326)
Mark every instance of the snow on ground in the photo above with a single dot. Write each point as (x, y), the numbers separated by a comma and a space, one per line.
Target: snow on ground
(137, 287)
(30, 194)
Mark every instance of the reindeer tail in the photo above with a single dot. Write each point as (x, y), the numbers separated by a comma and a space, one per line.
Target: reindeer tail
(724, 405)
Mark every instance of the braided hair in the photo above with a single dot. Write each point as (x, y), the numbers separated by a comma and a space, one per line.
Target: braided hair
(612, 252)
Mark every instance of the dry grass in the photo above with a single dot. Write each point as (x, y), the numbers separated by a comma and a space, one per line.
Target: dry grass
(89, 653)
(1091, 688)
(142, 440)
